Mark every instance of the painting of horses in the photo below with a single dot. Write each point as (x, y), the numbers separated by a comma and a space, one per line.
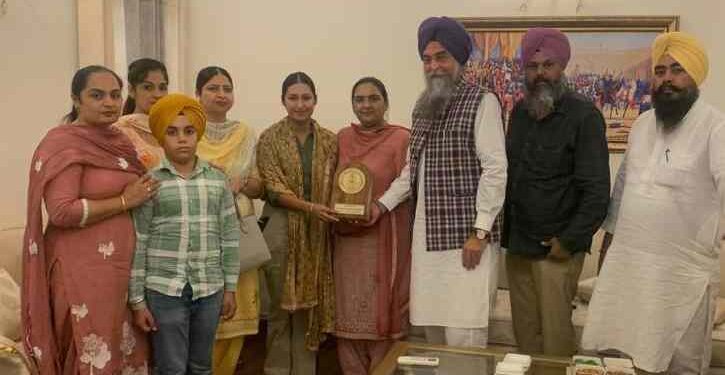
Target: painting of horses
(610, 63)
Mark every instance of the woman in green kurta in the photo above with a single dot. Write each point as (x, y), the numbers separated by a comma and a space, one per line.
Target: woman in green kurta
(296, 157)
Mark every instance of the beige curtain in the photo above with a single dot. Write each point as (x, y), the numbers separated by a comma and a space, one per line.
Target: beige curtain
(144, 29)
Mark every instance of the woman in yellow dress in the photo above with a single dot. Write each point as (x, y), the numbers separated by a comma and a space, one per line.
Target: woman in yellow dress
(148, 82)
(230, 145)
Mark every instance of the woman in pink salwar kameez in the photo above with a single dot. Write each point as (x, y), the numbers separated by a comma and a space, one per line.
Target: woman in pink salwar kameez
(372, 262)
(76, 272)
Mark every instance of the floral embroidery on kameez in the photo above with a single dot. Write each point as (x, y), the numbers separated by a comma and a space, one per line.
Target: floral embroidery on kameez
(95, 352)
(37, 353)
(106, 249)
(122, 163)
(33, 248)
(79, 311)
(130, 370)
(127, 340)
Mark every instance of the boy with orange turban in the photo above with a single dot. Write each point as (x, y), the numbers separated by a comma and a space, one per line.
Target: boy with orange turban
(186, 264)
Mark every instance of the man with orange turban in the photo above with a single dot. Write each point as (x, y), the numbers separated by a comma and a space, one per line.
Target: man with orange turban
(186, 264)
(655, 297)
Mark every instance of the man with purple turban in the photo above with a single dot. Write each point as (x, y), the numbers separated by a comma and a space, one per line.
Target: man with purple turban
(655, 297)
(556, 198)
(456, 176)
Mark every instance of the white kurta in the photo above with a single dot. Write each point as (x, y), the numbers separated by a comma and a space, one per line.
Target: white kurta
(666, 211)
(442, 292)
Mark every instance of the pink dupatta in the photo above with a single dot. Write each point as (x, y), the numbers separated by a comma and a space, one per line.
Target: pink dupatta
(64, 145)
(393, 253)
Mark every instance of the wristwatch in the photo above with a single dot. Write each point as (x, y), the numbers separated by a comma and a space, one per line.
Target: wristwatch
(482, 234)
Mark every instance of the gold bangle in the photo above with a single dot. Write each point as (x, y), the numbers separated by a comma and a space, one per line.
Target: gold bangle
(309, 208)
(123, 203)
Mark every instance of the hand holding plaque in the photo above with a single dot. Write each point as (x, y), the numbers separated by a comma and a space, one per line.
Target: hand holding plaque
(352, 192)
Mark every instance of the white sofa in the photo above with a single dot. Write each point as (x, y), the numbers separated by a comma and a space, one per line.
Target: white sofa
(13, 361)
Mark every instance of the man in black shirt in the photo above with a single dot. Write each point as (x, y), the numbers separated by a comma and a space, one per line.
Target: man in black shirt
(557, 195)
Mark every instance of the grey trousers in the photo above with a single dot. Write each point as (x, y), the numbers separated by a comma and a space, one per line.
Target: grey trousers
(286, 352)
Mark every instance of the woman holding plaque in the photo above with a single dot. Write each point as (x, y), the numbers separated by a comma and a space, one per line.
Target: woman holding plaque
(371, 263)
(296, 158)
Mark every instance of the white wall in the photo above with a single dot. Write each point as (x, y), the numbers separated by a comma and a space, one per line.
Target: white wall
(337, 42)
(39, 57)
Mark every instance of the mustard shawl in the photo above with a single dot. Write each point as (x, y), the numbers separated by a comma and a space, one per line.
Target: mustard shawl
(308, 282)
(233, 155)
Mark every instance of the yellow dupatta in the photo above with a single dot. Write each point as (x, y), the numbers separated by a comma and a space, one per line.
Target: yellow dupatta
(231, 154)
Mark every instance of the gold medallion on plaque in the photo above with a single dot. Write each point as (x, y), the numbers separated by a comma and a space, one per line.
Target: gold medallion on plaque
(352, 192)
(352, 180)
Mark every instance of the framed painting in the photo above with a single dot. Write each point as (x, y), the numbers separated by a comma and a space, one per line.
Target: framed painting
(610, 62)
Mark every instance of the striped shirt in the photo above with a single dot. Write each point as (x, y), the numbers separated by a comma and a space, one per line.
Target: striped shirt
(188, 233)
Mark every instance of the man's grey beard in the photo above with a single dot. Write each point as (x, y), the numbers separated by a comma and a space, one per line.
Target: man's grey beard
(541, 97)
(438, 92)
(671, 108)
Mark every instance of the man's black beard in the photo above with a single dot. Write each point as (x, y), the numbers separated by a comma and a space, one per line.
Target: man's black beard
(541, 95)
(672, 107)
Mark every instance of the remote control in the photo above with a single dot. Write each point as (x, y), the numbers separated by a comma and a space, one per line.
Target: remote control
(418, 361)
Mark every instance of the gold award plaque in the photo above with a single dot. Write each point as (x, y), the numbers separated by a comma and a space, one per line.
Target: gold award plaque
(352, 192)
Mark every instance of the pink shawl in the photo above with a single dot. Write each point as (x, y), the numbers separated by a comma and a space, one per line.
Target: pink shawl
(393, 257)
(98, 146)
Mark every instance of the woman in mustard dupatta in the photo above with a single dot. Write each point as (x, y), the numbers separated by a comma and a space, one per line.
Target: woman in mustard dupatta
(230, 146)
(147, 83)
(296, 158)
